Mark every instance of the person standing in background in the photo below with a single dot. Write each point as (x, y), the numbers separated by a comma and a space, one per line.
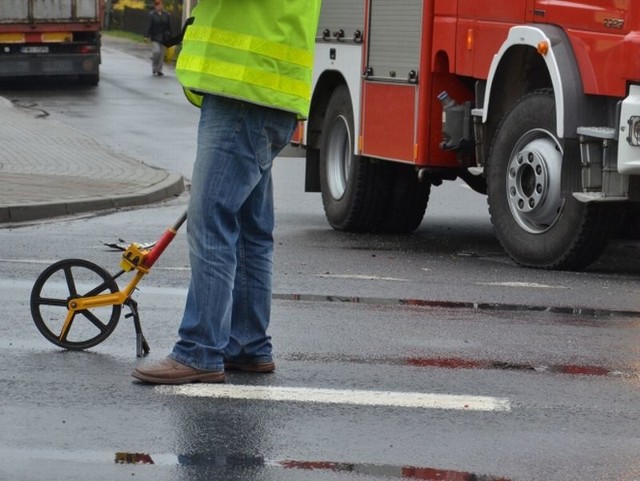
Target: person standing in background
(158, 30)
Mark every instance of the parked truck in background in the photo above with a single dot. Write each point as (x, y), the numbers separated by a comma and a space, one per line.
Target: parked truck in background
(51, 38)
(535, 103)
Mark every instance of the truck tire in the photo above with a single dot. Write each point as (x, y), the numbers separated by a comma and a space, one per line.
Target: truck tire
(407, 199)
(629, 222)
(534, 224)
(350, 184)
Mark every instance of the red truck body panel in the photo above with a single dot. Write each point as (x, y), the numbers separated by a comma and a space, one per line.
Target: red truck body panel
(459, 40)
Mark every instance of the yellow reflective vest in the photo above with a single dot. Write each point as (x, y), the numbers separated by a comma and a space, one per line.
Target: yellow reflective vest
(260, 51)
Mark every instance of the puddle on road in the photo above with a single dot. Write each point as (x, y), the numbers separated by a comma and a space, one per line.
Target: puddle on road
(461, 363)
(480, 306)
(216, 460)
(213, 460)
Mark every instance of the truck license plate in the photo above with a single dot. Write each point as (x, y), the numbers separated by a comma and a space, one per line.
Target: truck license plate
(35, 49)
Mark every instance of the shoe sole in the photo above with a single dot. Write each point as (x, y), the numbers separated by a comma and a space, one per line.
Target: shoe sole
(204, 377)
(263, 367)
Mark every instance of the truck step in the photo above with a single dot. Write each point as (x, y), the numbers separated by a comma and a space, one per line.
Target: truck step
(598, 132)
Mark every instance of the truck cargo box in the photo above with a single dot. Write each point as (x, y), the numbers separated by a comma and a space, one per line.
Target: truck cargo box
(48, 11)
(51, 38)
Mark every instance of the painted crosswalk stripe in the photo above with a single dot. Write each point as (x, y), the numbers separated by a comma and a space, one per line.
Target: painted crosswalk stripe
(337, 396)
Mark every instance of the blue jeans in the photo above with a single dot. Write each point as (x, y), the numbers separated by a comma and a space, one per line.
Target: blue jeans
(230, 232)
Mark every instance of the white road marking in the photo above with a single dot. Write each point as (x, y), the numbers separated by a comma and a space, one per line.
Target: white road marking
(28, 261)
(51, 261)
(336, 396)
(533, 285)
(361, 277)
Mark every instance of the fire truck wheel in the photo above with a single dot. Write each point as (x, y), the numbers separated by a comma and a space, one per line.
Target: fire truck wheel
(351, 185)
(407, 199)
(534, 224)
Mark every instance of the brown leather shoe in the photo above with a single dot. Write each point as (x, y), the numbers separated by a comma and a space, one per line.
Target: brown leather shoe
(262, 367)
(169, 371)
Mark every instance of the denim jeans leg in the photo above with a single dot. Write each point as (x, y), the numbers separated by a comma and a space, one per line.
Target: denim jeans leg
(229, 229)
(252, 288)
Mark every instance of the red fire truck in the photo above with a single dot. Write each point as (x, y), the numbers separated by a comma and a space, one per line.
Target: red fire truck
(535, 103)
(45, 37)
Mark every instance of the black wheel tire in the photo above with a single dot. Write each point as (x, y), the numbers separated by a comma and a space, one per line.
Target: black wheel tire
(407, 199)
(535, 226)
(56, 286)
(350, 184)
(629, 222)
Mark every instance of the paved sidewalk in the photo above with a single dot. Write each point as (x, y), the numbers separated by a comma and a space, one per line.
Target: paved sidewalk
(48, 169)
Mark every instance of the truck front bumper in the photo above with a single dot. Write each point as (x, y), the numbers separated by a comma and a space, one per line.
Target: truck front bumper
(48, 64)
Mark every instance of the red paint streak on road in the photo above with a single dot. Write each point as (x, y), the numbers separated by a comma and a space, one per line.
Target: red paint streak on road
(405, 472)
(459, 363)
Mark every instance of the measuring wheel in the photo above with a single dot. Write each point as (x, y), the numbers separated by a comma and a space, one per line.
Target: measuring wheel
(55, 290)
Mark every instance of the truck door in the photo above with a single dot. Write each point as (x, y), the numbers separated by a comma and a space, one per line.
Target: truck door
(390, 86)
(483, 26)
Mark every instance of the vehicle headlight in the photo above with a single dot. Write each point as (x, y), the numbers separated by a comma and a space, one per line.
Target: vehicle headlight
(634, 131)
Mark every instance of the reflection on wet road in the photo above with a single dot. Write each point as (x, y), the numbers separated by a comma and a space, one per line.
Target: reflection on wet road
(243, 461)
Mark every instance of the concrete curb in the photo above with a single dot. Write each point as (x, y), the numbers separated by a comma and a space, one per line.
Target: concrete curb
(81, 174)
(172, 186)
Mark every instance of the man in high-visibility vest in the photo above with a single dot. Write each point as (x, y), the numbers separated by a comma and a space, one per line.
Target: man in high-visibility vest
(247, 64)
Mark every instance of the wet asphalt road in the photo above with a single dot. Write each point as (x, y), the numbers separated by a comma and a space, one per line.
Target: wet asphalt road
(554, 356)
(564, 388)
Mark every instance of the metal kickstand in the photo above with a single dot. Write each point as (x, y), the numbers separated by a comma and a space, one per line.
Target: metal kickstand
(142, 347)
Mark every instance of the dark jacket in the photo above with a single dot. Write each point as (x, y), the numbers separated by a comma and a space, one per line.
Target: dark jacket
(159, 26)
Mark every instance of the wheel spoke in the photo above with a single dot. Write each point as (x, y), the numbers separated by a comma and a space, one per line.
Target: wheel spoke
(66, 327)
(94, 320)
(71, 284)
(46, 301)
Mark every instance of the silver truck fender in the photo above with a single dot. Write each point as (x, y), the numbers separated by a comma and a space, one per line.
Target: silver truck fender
(562, 67)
